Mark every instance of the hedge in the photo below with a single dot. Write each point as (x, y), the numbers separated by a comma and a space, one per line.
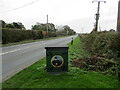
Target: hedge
(103, 43)
(10, 36)
(17, 35)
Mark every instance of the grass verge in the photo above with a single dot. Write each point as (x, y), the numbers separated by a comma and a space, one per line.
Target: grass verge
(35, 76)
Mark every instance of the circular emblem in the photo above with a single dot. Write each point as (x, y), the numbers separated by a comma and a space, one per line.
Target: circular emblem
(57, 61)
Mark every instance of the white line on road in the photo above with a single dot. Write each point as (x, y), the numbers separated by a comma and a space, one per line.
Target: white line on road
(13, 51)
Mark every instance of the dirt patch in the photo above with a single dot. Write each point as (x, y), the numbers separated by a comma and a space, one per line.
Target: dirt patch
(96, 63)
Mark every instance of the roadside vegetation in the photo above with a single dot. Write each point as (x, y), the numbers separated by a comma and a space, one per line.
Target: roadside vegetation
(16, 36)
(36, 76)
(15, 32)
(104, 50)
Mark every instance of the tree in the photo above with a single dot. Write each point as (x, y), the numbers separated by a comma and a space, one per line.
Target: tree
(111, 30)
(43, 27)
(35, 27)
(65, 30)
(18, 25)
(39, 26)
(51, 27)
(3, 24)
(9, 26)
(68, 30)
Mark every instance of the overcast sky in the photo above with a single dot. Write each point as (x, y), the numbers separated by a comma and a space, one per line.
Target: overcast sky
(78, 14)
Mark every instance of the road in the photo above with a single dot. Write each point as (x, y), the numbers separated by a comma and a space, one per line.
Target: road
(18, 57)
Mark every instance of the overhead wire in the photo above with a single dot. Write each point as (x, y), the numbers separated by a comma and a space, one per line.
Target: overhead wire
(19, 7)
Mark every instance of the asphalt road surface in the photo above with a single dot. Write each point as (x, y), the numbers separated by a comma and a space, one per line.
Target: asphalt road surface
(18, 57)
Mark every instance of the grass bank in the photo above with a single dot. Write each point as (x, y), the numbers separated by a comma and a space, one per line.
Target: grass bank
(35, 76)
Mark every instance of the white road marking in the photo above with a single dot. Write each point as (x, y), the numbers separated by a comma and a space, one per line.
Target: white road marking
(13, 51)
(18, 49)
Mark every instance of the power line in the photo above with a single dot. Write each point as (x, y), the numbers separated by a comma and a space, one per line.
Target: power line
(20, 7)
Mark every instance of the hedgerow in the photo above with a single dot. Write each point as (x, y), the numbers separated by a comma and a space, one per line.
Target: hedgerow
(10, 36)
(104, 48)
(17, 35)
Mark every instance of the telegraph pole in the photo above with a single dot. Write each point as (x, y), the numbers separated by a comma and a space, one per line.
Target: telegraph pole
(118, 20)
(97, 14)
(47, 25)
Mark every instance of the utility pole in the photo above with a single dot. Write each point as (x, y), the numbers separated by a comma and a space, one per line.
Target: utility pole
(47, 25)
(118, 19)
(97, 14)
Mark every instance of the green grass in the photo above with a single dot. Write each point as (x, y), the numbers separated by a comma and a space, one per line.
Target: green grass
(76, 50)
(36, 76)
